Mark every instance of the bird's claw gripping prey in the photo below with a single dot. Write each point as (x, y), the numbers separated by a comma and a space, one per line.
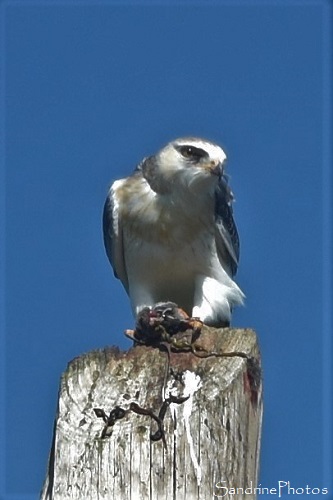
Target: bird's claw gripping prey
(165, 322)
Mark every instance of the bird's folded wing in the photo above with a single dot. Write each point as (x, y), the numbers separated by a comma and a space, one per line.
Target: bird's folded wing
(113, 236)
(226, 234)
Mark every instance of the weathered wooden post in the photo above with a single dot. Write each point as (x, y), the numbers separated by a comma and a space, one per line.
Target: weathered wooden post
(210, 433)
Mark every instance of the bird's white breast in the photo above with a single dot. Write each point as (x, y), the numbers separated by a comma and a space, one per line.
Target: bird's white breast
(168, 241)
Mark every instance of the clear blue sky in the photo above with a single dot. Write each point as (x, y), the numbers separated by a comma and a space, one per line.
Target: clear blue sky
(90, 90)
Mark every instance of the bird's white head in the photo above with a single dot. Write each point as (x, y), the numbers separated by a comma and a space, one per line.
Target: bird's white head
(190, 162)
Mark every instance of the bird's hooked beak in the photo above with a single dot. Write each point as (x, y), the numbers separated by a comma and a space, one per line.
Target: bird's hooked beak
(215, 167)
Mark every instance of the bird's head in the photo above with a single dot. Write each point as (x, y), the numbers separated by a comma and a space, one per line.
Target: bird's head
(191, 163)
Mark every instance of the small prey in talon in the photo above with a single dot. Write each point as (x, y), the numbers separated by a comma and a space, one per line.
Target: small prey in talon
(165, 321)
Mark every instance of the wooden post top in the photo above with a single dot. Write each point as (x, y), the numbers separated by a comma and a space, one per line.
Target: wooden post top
(185, 422)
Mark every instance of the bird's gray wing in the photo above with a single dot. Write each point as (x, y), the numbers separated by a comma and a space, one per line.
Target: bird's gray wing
(226, 234)
(113, 237)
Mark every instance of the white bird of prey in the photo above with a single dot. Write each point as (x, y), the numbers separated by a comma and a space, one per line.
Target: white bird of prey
(170, 235)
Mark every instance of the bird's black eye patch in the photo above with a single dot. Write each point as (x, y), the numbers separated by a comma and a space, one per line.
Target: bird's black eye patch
(192, 153)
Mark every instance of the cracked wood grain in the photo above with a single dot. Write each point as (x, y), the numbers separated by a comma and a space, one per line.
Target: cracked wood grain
(213, 436)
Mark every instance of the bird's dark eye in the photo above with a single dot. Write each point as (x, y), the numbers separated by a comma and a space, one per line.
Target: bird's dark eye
(192, 153)
(187, 151)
